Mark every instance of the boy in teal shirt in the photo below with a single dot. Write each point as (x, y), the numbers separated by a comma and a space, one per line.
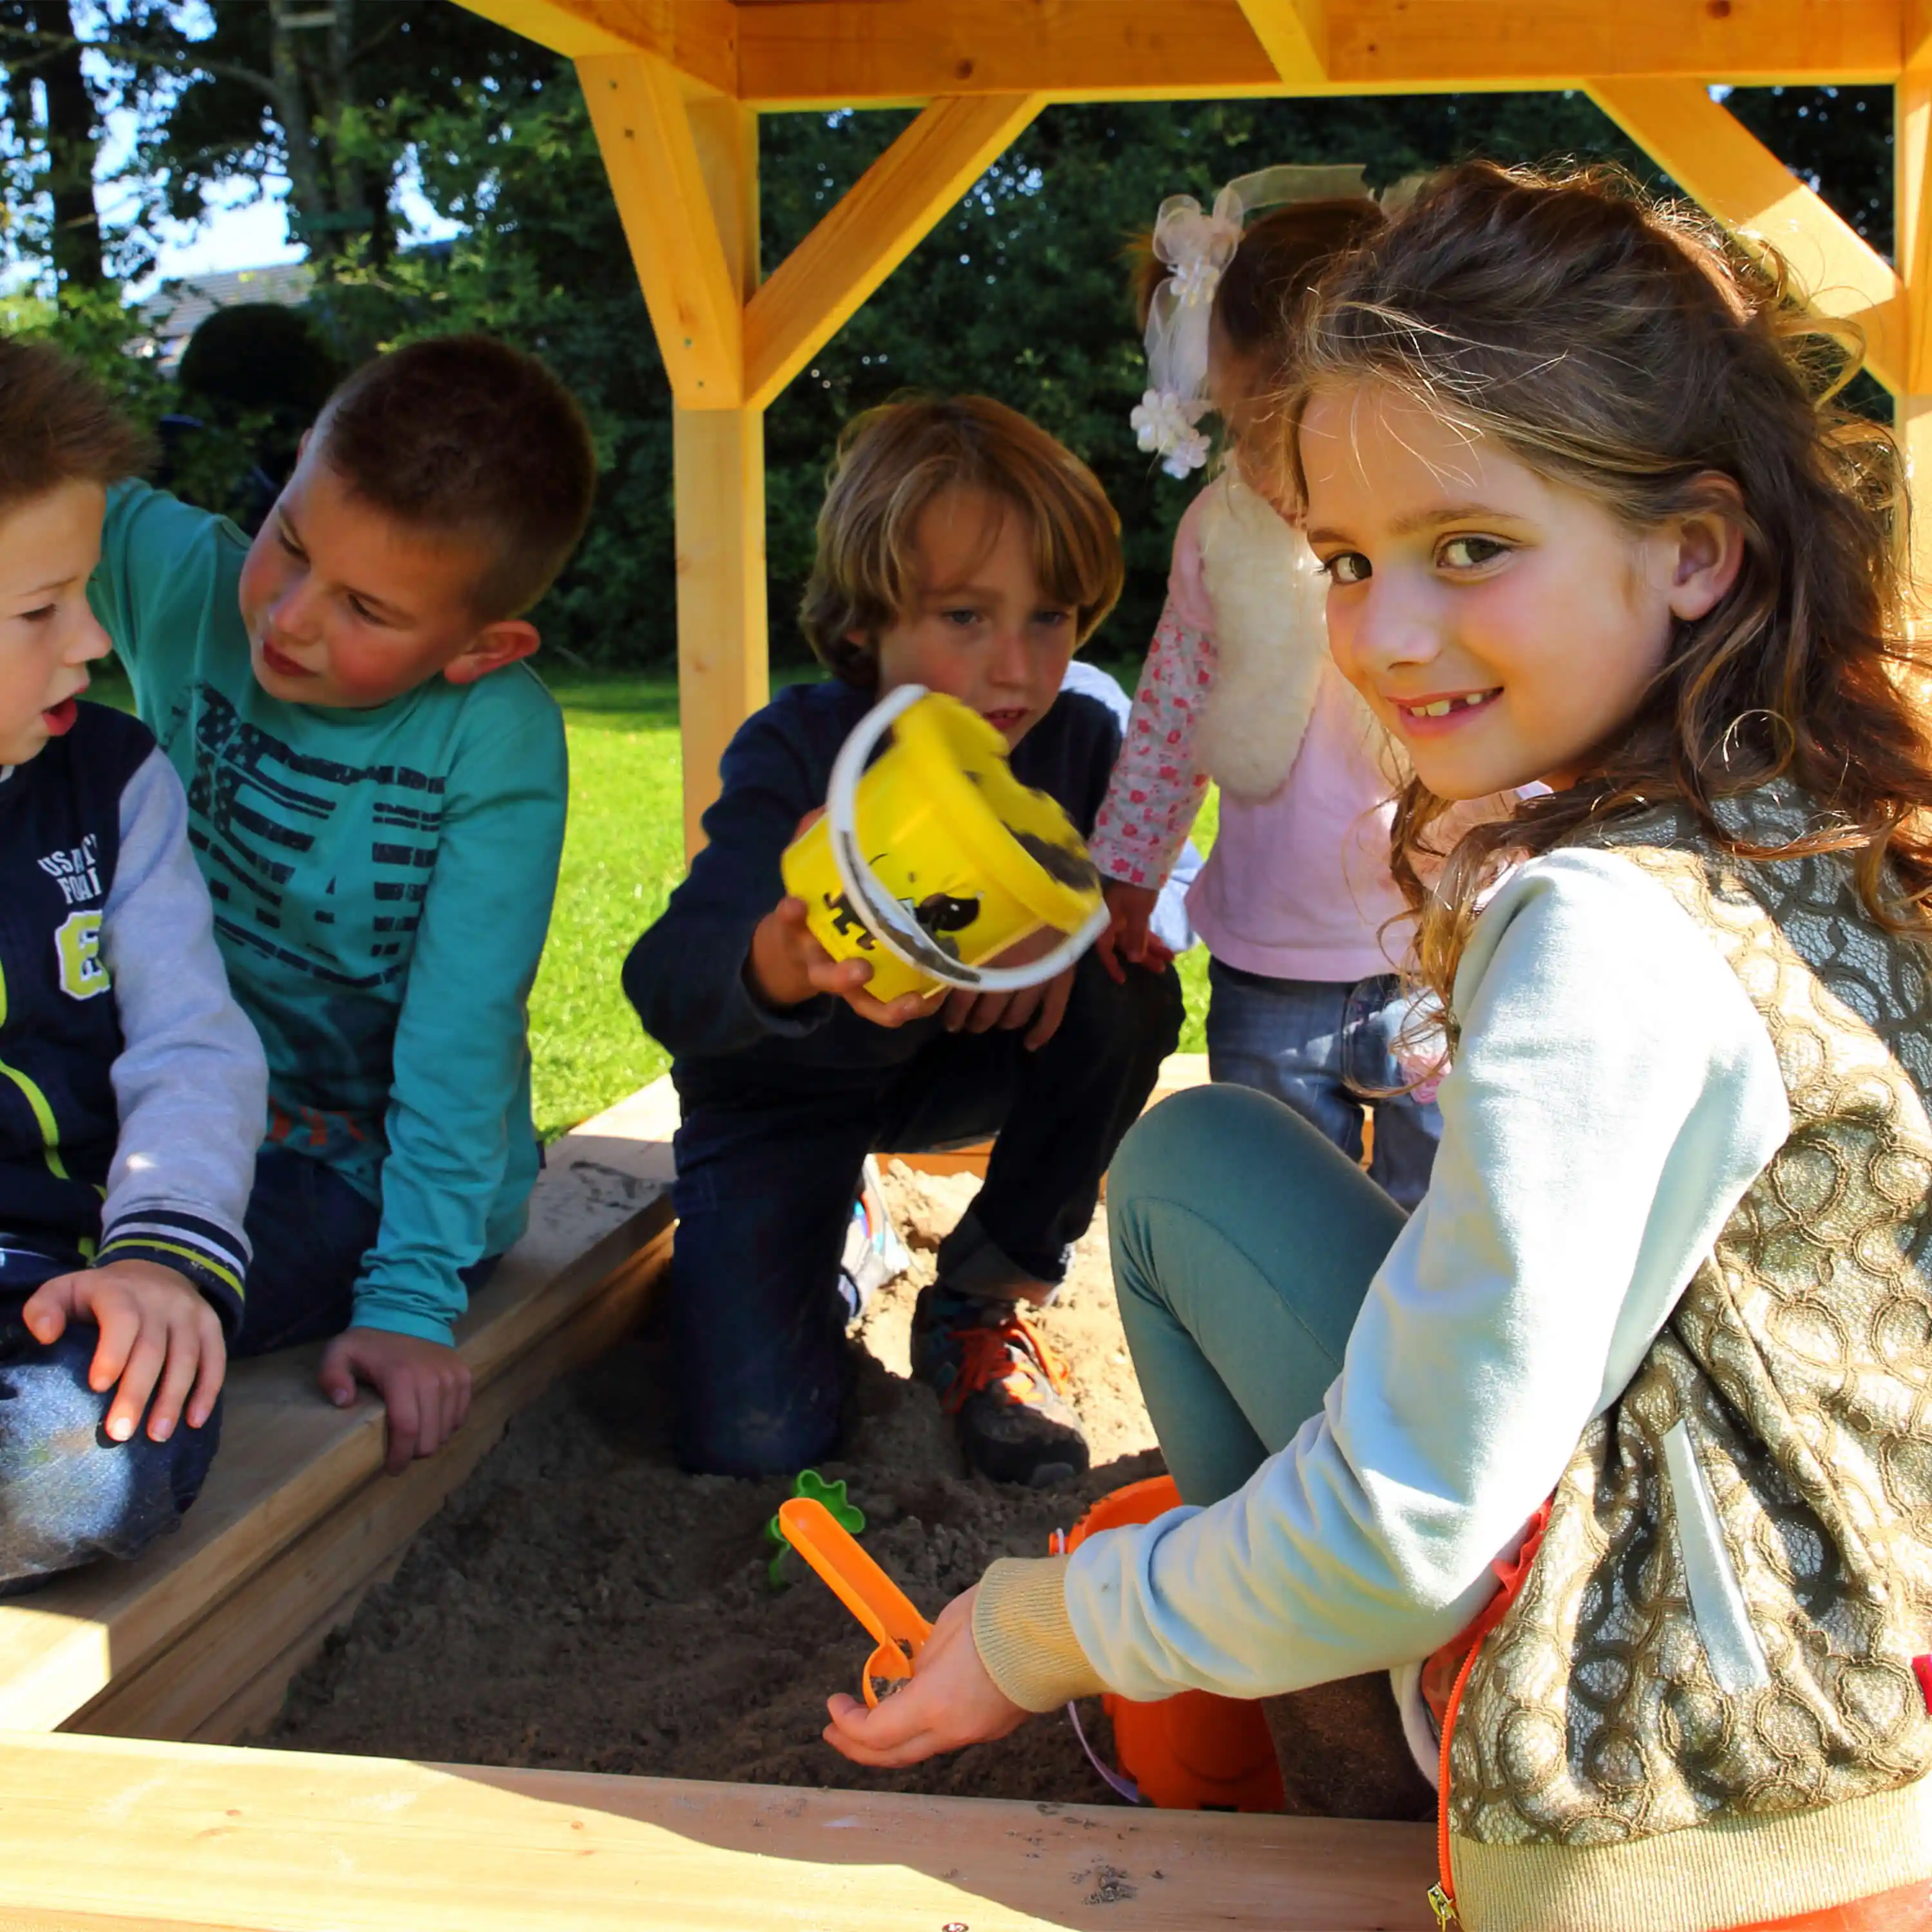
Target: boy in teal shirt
(377, 790)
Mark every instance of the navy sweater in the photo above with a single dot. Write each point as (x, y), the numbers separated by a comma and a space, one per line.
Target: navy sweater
(132, 1089)
(686, 975)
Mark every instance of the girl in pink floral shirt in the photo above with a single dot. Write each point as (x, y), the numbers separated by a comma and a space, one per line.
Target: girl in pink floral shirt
(1295, 898)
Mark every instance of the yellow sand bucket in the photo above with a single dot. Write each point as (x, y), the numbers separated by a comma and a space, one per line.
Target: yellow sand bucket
(937, 859)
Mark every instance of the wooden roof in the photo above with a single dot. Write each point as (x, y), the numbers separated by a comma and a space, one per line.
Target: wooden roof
(779, 54)
(674, 87)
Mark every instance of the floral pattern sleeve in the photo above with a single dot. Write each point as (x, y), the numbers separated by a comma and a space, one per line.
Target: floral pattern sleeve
(1155, 791)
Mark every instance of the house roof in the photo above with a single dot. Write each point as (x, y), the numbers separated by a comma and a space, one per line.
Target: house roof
(181, 305)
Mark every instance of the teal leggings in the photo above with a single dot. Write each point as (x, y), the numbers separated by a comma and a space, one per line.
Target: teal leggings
(1244, 1243)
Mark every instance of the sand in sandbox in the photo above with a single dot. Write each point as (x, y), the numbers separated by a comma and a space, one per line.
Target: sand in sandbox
(580, 1603)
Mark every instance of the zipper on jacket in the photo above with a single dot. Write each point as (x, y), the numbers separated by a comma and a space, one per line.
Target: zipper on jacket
(1511, 1576)
(1442, 1893)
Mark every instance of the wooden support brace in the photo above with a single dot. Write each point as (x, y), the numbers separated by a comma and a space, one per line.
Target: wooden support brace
(97, 1833)
(1735, 176)
(644, 127)
(881, 220)
(1294, 34)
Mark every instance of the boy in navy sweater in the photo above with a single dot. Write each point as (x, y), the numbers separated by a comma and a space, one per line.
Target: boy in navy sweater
(960, 547)
(132, 1089)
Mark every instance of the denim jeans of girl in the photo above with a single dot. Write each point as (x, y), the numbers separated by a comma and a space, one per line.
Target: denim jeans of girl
(1327, 1049)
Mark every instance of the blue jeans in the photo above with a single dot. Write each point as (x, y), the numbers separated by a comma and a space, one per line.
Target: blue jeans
(68, 1493)
(1243, 1244)
(1325, 1048)
(768, 1166)
(308, 1229)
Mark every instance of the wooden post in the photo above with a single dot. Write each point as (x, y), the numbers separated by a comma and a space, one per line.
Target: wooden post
(723, 664)
(1912, 148)
(724, 658)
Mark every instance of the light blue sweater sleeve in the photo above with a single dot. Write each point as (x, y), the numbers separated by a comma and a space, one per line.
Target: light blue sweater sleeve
(1614, 1095)
(190, 1082)
(462, 1049)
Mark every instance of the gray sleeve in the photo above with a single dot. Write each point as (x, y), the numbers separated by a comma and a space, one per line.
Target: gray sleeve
(190, 1082)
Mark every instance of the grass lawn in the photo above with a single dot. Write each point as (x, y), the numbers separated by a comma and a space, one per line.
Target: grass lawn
(623, 853)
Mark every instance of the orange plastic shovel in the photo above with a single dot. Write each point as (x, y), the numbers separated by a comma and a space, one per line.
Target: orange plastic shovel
(862, 1586)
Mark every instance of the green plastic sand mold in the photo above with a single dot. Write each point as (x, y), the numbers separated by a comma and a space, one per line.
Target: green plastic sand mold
(812, 1487)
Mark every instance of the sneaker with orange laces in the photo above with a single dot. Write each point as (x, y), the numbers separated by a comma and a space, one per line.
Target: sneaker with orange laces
(1005, 1387)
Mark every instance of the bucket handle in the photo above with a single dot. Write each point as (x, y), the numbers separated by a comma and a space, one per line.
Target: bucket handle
(888, 921)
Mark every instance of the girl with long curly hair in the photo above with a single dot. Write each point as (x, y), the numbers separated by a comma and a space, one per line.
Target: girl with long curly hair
(1617, 1453)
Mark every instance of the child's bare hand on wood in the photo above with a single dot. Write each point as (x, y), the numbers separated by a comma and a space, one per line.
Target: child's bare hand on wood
(1129, 936)
(1038, 1009)
(425, 1386)
(952, 1702)
(159, 1336)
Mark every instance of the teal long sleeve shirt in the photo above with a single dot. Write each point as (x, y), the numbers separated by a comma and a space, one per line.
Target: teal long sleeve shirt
(382, 882)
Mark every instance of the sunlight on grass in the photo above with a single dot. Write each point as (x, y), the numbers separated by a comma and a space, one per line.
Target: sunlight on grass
(622, 856)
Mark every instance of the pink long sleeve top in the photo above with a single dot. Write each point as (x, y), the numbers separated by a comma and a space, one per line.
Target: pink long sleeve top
(1298, 886)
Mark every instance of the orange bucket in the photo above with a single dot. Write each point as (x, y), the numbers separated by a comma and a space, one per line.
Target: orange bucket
(1193, 1751)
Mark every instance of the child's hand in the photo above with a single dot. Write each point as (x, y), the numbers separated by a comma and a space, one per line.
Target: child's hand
(787, 967)
(1040, 1008)
(1127, 937)
(156, 1326)
(951, 1702)
(425, 1386)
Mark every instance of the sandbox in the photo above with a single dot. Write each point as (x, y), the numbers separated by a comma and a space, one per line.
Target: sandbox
(592, 1636)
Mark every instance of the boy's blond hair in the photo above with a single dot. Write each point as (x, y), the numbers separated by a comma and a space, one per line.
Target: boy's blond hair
(892, 461)
(58, 424)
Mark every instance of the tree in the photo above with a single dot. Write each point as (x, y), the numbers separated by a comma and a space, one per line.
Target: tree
(64, 130)
(326, 92)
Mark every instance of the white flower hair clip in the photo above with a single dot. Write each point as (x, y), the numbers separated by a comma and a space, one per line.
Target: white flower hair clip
(1197, 245)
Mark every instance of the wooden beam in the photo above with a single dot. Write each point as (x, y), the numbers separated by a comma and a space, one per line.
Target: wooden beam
(1294, 34)
(876, 53)
(699, 37)
(1727, 169)
(1377, 44)
(850, 53)
(880, 221)
(1916, 28)
(645, 130)
(110, 1833)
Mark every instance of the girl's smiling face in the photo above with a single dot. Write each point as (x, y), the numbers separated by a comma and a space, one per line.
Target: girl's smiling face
(1503, 627)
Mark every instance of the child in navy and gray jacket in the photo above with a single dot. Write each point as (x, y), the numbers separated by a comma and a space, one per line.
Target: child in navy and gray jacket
(961, 548)
(132, 1088)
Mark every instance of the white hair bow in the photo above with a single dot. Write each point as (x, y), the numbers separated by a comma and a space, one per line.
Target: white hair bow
(1197, 245)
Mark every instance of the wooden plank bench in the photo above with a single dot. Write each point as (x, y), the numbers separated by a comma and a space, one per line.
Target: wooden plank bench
(199, 1638)
(103, 1833)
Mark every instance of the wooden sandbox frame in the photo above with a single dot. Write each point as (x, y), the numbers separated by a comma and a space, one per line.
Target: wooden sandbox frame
(124, 1690)
(142, 1827)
